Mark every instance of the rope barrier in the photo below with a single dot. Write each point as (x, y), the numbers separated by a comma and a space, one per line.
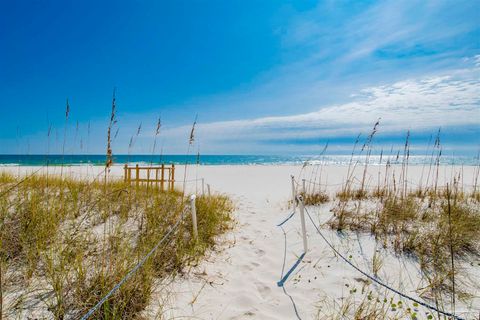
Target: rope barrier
(281, 276)
(290, 216)
(285, 277)
(376, 280)
(133, 270)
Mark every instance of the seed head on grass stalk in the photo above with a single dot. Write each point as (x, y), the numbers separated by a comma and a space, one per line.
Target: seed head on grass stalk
(133, 139)
(139, 129)
(368, 145)
(109, 160)
(192, 132)
(157, 132)
(191, 140)
(370, 136)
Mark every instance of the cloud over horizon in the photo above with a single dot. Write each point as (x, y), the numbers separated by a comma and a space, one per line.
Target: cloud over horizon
(425, 104)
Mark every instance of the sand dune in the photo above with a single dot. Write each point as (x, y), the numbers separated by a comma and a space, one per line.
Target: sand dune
(239, 279)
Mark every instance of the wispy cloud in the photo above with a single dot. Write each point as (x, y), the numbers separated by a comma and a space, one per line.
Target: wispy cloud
(382, 25)
(448, 100)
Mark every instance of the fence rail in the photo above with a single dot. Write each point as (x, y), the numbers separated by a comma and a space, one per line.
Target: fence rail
(162, 176)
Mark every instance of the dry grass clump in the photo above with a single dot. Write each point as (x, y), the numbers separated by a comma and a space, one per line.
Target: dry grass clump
(65, 243)
(6, 178)
(411, 216)
(314, 198)
(352, 194)
(475, 195)
(431, 229)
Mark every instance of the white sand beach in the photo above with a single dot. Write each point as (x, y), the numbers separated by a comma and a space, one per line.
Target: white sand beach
(239, 279)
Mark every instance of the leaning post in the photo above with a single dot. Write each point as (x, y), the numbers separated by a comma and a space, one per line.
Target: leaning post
(294, 199)
(172, 171)
(137, 175)
(302, 220)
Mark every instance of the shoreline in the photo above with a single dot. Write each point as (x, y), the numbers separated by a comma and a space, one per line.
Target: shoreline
(267, 160)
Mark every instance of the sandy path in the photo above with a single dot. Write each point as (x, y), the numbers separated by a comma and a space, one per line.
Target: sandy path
(241, 279)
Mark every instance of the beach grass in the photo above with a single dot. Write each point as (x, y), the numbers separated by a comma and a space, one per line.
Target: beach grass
(434, 224)
(65, 243)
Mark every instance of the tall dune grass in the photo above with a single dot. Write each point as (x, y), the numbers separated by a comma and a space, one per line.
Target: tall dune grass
(435, 224)
(53, 255)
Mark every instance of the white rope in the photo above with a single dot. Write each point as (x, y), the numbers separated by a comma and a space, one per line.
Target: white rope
(376, 280)
(132, 271)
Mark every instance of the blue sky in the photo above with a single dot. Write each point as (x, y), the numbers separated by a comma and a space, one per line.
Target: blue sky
(263, 76)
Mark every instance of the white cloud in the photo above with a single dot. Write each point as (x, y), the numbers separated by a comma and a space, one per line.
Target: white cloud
(413, 104)
(451, 99)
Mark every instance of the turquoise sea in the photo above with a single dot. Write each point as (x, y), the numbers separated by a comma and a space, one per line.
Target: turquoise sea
(40, 160)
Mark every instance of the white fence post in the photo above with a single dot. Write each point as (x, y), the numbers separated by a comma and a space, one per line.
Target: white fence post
(194, 216)
(303, 185)
(294, 196)
(208, 188)
(203, 186)
(302, 220)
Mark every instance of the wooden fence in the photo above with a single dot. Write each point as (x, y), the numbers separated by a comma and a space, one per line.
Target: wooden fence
(162, 176)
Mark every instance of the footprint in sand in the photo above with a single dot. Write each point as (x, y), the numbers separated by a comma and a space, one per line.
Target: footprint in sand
(260, 252)
(246, 267)
(263, 290)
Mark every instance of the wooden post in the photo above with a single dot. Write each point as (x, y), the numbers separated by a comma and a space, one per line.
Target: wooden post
(303, 186)
(148, 177)
(173, 176)
(208, 188)
(156, 177)
(194, 216)
(137, 175)
(294, 196)
(125, 172)
(203, 186)
(302, 220)
(162, 186)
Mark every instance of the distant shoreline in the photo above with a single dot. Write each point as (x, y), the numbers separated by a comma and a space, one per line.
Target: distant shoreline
(99, 160)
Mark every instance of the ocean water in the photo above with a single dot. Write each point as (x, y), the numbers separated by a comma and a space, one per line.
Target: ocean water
(41, 160)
